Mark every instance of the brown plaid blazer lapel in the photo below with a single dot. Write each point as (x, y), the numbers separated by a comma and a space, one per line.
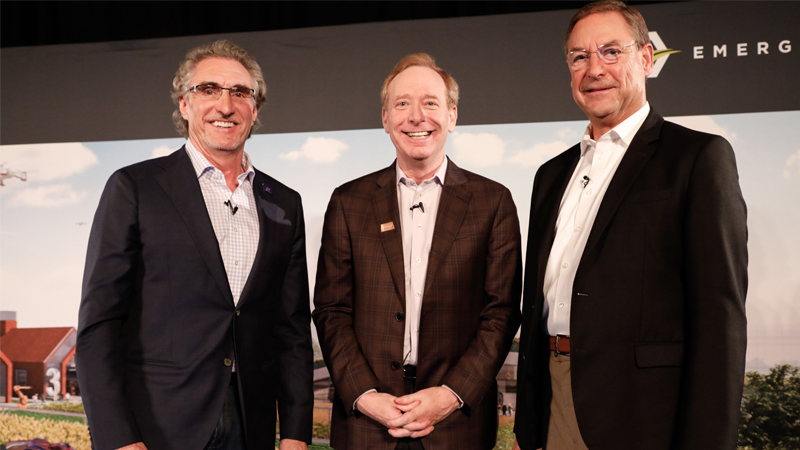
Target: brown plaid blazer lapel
(453, 206)
(387, 212)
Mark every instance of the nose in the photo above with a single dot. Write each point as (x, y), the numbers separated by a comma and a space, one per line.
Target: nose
(417, 114)
(596, 67)
(225, 103)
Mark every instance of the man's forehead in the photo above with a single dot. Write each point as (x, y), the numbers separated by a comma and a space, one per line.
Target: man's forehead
(600, 29)
(213, 68)
(418, 81)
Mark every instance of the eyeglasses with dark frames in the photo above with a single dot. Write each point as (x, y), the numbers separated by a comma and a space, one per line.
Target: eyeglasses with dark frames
(214, 92)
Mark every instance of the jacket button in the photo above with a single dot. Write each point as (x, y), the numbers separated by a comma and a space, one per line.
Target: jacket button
(238, 312)
(228, 362)
(399, 317)
(395, 365)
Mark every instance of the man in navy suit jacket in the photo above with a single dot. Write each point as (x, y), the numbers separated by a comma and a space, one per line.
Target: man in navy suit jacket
(634, 329)
(194, 318)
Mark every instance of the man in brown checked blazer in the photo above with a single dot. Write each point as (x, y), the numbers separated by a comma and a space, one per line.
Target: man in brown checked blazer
(418, 284)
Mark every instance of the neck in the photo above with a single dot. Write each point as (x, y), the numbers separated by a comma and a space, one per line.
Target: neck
(228, 162)
(420, 171)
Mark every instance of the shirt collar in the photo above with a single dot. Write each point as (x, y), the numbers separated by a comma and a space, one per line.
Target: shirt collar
(437, 176)
(625, 131)
(202, 165)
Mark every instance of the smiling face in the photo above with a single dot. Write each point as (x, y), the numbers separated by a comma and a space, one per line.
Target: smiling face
(417, 118)
(220, 125)
(609, 93)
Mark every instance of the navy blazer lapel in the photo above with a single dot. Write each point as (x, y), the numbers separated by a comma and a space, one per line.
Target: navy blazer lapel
(636, 156)
(268, 213)
(453, 206)
(180, 184)
(387, 212)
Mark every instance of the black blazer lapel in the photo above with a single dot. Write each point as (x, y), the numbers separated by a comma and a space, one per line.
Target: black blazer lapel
(386, 210)
(180, 184)
(268, 213)
(641, 149)
(453, 206)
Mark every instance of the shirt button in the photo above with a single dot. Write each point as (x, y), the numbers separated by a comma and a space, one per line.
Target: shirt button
(228, 362)
(565, 265)
(578, 228)
(560, 304)
(419, 226)
(235, 230)
(236, 263)
(418, 260)
(417, 294)
(589, 192)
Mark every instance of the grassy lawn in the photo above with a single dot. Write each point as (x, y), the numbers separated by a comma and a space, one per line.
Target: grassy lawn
(39, 416)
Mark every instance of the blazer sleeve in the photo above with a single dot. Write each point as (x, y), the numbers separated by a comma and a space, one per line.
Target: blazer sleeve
(112, 262)
(715, 265)
(293, 335)
(333, 312)
(477, 368)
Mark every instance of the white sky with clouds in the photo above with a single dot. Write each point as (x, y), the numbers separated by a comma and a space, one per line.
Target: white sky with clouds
(45, 222)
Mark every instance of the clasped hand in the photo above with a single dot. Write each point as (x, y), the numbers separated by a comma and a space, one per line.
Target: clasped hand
(412, 415)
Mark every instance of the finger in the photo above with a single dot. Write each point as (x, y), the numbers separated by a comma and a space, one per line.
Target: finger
(417, 426)
(408, 407)
(422, 433)
(399, 432)
(406, 399)
(402, 421)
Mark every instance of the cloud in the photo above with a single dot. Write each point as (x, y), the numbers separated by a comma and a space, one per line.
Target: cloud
(539, 154)
(318, 151)
(54, 195)
(48, 162)
(161, 151)
(703, 123)
(793, 160)
(478, 150)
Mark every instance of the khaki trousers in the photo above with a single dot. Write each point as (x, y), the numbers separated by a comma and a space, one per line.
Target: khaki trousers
(562, 431)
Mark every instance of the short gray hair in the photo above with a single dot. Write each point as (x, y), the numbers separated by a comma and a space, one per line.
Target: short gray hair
(217, 49)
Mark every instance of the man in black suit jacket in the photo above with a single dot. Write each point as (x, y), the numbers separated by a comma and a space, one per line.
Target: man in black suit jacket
(195, 314)
(634, 329)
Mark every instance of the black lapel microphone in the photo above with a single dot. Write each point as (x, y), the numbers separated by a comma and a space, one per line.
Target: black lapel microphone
(418, 205)
(231, 207)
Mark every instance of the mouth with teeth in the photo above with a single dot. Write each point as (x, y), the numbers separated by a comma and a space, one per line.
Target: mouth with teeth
(418, 134)
(221, 124)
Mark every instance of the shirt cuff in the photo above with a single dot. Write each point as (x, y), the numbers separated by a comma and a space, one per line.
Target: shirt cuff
(367, 392)
(461, 402)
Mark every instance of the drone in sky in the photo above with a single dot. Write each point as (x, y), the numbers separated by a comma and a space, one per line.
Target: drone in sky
(6, 173)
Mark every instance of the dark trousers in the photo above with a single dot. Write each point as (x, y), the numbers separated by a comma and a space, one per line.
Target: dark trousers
(409, 443)
(229, 433)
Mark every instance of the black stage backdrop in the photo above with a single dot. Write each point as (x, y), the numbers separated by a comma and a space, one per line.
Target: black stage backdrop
(732, 57)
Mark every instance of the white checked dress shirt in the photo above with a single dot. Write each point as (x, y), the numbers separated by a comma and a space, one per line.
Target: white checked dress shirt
(237, 233)
(579, 205)
(417, 228)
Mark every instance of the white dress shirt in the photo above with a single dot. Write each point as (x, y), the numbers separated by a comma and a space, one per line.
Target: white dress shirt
(579, 205)
(417, 228)
(237, 233)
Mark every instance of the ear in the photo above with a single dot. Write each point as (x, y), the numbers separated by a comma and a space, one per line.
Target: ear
(453, 118)
(647, 59)
(183, 107)
(385, 119)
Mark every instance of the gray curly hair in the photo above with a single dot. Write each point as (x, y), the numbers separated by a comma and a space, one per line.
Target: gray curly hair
(216, 49)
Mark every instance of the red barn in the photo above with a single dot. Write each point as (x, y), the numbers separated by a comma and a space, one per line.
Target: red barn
(38, 357)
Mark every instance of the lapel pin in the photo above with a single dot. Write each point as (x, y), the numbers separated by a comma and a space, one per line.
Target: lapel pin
(388, 226)
(266, 188)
